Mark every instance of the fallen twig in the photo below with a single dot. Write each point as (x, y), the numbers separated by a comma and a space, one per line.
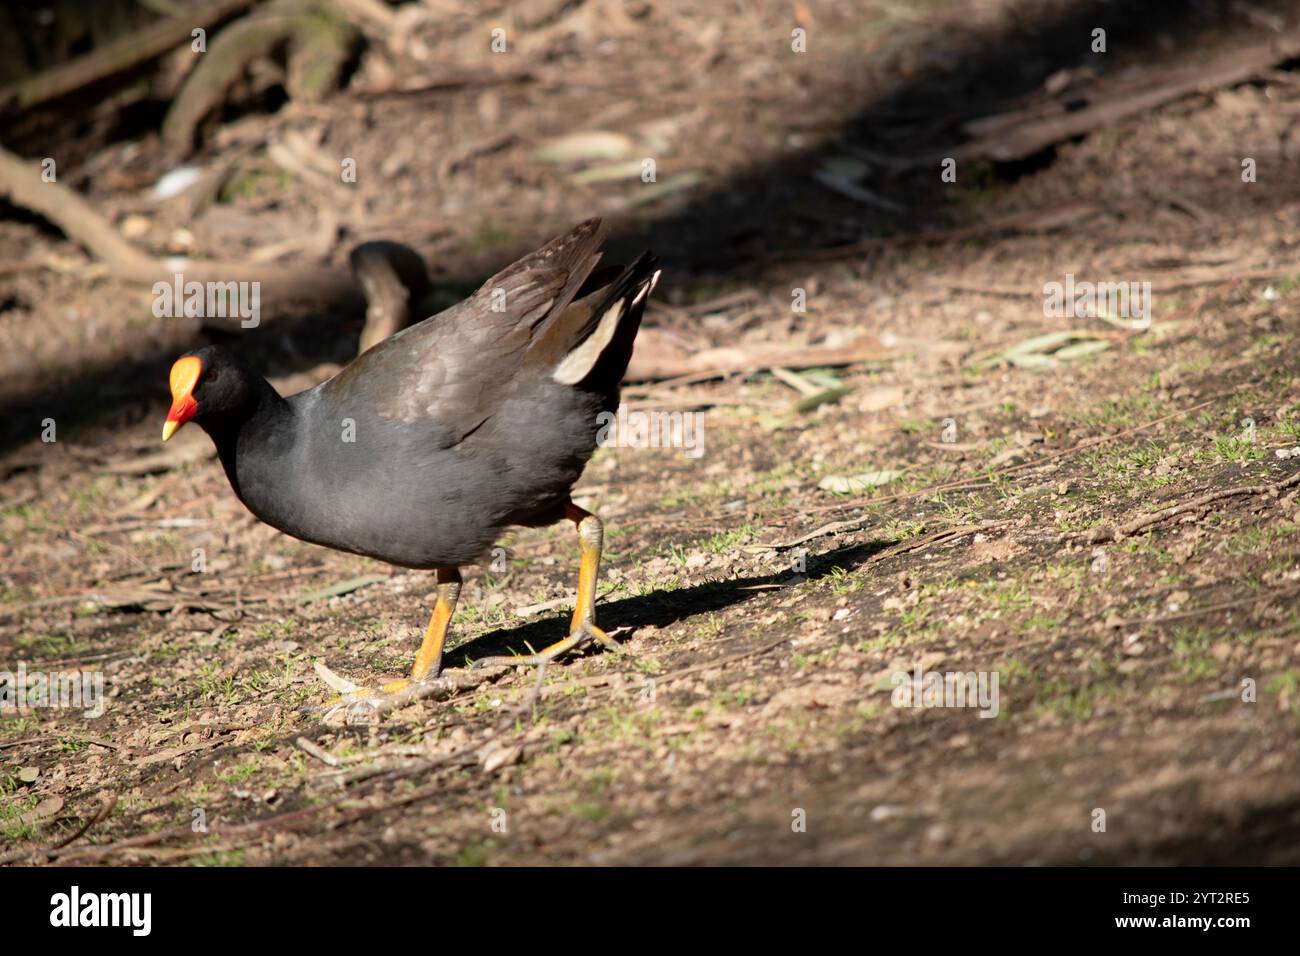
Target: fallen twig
(718, 362)
(106, 807)
(916, 544)
(1252, 598)
(1023, 133)
(1104, 533)
(834, 527)
(320, 753)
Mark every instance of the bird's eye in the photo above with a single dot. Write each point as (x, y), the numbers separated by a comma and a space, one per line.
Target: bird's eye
(213, 374)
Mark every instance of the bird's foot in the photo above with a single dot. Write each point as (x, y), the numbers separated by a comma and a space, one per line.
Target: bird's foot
(361, 703)
(355, 704)
(348, 691)
(584, 632)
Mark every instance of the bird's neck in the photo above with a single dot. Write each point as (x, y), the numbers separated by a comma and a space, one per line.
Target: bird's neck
(255, 429)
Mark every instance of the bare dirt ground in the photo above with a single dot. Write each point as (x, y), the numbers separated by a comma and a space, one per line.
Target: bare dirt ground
(1110, 529)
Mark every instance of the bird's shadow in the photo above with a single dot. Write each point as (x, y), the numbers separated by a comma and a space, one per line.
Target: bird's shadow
(662, 608)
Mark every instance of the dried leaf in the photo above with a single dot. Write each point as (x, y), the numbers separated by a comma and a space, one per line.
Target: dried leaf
(343, 587)
(655, 191)
(845, 484)
(626, 169)
(806, 405)
(499, 757)
(584, 147)
(43, 811)
(1043, 351)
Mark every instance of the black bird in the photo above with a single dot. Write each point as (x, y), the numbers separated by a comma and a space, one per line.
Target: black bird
(424, 448)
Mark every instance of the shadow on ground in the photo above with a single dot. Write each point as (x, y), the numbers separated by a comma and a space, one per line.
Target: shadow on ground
(662, 608)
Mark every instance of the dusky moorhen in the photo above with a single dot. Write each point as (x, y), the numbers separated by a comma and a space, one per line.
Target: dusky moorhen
(424, 448)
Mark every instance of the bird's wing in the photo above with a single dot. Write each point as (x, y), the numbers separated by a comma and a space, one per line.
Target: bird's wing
(453, 369)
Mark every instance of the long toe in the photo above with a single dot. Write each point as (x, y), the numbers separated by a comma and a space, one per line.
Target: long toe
(543, 656)
(584, 633)
(365, 705)
(592, 632)
(347, 692)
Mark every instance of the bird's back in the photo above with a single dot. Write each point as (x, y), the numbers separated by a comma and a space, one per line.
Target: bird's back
(423, 448)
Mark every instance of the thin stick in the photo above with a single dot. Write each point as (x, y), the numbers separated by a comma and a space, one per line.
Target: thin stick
(320, 753)
(110, 801)
(1106, 533)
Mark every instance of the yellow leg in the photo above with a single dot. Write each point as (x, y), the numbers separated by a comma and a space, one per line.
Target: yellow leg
(591, 536)
(428, 661)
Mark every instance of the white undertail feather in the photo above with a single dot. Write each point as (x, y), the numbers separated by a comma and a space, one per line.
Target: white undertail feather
(578, 364)
(647, 288)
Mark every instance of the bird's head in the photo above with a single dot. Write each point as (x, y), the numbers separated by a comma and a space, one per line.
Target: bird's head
(205, 383)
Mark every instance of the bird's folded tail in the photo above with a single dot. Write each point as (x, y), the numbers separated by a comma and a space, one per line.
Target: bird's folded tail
(590, 343)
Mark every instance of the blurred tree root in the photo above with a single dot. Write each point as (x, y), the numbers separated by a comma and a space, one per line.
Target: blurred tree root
(22, 185)
(394, 280)
(114, 57)
(317, 35)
